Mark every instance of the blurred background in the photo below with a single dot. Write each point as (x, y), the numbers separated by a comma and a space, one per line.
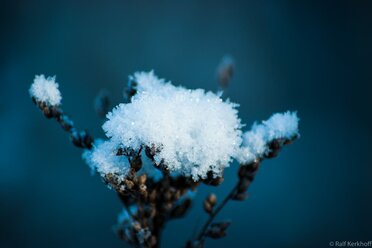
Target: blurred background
(313, 57)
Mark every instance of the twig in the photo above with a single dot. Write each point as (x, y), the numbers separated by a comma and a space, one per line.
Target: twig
(212, 216)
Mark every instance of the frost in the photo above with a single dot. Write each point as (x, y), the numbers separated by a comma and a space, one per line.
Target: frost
(195, 131)
(147, 81)
(278, 126)
(103, 158)
(282, 125)
(256, 139)
(46, 90)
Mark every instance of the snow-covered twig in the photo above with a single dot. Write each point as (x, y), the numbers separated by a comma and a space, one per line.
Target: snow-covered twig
(163, 142)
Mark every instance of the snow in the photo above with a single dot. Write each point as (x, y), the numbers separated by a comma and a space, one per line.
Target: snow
(195, 131)
(103, 158)
(256, 140)
(282, 125)
(46, 90)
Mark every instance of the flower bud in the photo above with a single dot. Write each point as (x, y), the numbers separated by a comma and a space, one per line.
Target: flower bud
(207, 207)
(212, 199)
(142, 179)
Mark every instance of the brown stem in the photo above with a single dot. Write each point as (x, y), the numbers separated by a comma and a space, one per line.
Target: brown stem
(214, 213)
(246, 176)
(238, 192)
(157, 234)
(79, 138)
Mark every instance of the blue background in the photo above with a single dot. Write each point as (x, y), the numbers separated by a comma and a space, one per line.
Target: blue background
(314, 57)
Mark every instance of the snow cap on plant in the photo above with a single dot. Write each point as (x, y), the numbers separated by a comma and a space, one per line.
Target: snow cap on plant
(282, 125)
(102, 157)
(46, 90)
(195, 131)
(256, 140)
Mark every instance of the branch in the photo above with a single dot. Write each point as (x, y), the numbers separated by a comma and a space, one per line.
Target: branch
(238, 192)
(246, 176)
(81, 139)
(214, 213)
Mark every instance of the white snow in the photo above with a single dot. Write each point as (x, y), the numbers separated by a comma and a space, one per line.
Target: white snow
(283, 125)
(278, 126)
(46, 90)
(103, 158)
(196, 131)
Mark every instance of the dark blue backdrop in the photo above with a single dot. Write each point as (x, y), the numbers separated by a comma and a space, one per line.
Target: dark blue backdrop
(314, 57)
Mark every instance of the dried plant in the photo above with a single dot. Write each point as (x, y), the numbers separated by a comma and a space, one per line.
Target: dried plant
(163, 143)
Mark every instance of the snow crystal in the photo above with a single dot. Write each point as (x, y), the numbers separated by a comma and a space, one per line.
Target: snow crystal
(282, 125)
(103, 158)
(255, 139)
(147, 81)
(195, 131)
(278, 126)
(46, 90)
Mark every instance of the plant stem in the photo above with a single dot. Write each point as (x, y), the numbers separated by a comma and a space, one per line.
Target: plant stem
(203, 231)
(246, 176)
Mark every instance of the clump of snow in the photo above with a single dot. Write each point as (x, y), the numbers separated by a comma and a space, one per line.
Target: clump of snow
(195, 131)
(102, 157)
(46, 90)
(278, 126)
(146, 81)
(283, 125)
(256, 139)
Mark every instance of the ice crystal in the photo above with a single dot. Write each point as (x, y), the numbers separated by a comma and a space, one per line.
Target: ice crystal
(282, 125)
(46, 90)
